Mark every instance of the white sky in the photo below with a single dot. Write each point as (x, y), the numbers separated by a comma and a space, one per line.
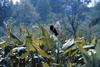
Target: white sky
(92, 4)
(15, 1)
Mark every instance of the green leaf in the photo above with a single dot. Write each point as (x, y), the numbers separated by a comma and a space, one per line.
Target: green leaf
(47, 41)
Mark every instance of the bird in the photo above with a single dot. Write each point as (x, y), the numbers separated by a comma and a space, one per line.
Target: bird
(53, 29)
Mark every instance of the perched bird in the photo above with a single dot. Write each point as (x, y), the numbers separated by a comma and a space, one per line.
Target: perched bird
(52, 28)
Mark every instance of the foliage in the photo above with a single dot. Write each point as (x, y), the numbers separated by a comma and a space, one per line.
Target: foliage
(75, 42)
(47, 52)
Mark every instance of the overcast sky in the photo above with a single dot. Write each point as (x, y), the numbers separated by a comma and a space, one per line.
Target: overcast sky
(15, 1)
(92, 4)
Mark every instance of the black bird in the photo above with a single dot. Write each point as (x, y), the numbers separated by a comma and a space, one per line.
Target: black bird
(52, 28)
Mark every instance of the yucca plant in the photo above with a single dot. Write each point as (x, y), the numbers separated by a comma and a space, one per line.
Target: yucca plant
(90, 60)
(47, 51)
